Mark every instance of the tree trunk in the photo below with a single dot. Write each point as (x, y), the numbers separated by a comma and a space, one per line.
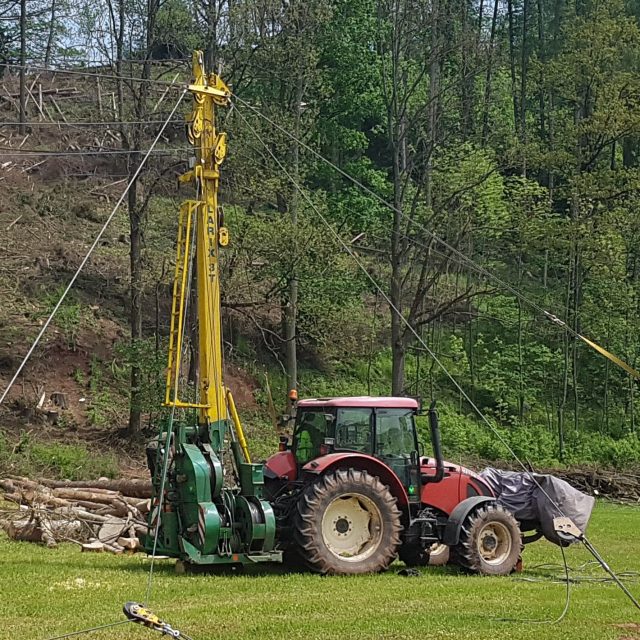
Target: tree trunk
(541, 78)
(489, 76)
(521, 387)
(291, 309)
(52, 33)
(23, 64)
(468, 78)
(434, 89)
(398, 349)
(523, 85)
(211, 50)
(135, 225)
(512, 61)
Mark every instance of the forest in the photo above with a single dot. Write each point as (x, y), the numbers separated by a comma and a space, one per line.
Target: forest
(417, 192)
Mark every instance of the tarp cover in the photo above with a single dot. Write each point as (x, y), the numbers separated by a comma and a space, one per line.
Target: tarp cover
(533, 504)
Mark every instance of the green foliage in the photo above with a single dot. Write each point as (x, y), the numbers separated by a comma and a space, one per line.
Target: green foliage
(176, 34)
(69, 317)
(152, 365)
(467, 184)
(330, 285)
(54, 460)
(71, 462)
(514, 137)
(101, 407)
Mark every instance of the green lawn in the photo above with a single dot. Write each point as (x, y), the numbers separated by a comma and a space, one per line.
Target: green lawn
(49, 592)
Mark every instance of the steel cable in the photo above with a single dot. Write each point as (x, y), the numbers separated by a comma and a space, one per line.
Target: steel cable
(90, 630)
(469, 261)
(91, 249)
(437, 360)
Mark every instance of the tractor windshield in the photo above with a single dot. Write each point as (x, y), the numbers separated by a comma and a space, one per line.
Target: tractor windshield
(354, 428)
(395, 433)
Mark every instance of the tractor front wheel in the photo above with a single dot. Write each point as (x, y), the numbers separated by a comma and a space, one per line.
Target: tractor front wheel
(348, 522)
(490, 542)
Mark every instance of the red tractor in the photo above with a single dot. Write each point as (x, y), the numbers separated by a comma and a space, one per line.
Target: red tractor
(352, 490)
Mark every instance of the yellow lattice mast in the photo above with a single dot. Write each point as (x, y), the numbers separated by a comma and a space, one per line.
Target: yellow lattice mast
(201, 220)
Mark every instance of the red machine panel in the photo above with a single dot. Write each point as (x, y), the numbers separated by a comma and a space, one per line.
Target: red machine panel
(458, 484)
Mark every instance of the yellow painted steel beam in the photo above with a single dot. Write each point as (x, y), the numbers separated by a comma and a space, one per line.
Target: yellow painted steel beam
(238, 426)
(210, 147)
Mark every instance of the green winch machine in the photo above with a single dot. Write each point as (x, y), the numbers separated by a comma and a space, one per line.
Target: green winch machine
(206, 510)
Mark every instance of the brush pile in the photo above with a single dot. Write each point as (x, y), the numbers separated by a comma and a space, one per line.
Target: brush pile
(621, 486)
(105, 515)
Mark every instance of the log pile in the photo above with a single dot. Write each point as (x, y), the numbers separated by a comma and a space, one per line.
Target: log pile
(106, 515)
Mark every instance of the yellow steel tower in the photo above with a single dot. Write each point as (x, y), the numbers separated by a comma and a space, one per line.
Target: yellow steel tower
(201, 227)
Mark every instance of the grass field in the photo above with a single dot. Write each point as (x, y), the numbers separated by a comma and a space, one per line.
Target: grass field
(50, 592)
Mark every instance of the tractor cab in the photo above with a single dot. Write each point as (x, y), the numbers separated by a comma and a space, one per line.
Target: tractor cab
(382, 427)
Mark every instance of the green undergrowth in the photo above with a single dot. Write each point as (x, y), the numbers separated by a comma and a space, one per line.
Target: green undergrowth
(52, 592)
(30, 458)
(464, 435)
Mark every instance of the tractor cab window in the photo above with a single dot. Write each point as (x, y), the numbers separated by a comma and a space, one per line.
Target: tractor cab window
(310, 432)
(395, 433)
(353, 429)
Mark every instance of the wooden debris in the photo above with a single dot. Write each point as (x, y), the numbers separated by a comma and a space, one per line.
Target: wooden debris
(132, 488)
(98, 518)
(129, 544)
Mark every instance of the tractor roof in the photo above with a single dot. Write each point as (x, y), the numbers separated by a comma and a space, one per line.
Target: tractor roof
(361, 401)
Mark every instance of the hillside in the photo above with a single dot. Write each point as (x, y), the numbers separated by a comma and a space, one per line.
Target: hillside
(398, 218)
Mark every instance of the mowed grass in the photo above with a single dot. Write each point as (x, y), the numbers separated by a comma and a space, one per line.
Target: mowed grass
(49, 592)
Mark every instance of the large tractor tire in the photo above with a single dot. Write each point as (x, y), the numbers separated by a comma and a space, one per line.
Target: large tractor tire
(490, 542)
(348, 522)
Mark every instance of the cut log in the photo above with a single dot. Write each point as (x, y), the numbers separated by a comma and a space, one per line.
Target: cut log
(93, 547)
(111, 530)
(129, 544)
(26, 530)
(132, 488)
(7, 486)
(87, 495)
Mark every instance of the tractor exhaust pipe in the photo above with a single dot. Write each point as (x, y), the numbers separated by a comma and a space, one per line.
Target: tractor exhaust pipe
(436, 444)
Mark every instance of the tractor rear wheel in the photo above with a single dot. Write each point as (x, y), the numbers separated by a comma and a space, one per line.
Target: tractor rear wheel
(348, 522)
(490, 542)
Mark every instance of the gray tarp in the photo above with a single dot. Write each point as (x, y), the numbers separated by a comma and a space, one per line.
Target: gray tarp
(517, 492)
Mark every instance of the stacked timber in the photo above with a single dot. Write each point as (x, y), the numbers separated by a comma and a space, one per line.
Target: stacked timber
(105, 515)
